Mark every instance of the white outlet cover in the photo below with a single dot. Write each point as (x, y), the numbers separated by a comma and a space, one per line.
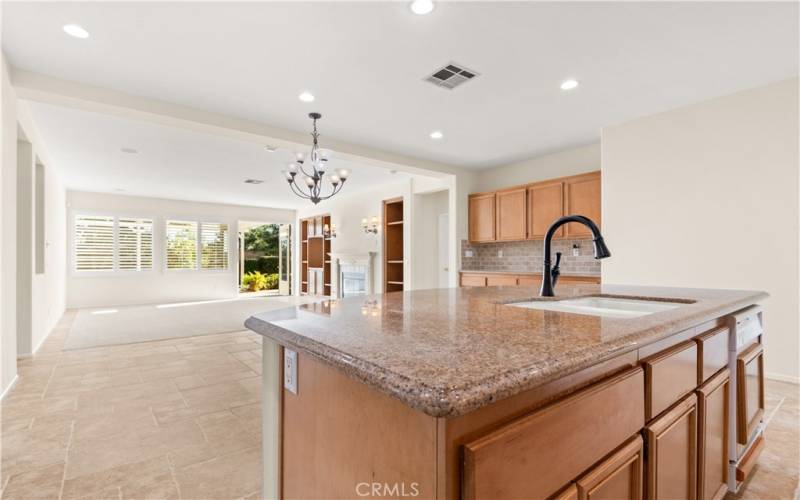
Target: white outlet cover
(469, 253)
(290, 370)
(499, 253)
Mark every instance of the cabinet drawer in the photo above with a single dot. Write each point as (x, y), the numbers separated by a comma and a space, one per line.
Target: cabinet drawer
(535, 455)
(712, 353)
(669, 376)
(749, 392)
(473, 280)
(501, 280)
(530, 281)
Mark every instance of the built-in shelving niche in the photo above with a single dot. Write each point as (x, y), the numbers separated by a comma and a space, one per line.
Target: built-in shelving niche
(393, 257)
(315, 259)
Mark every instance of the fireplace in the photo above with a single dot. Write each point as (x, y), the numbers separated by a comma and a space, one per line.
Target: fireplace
(353, 273)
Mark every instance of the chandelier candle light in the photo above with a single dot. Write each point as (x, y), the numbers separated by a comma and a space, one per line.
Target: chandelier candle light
(310, 185)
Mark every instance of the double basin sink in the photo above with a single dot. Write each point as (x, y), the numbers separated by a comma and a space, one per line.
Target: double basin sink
(608, 307)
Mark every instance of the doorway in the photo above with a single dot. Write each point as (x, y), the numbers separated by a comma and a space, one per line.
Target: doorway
(264, 260)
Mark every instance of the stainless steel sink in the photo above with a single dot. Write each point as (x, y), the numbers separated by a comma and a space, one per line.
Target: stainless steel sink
(609, 307)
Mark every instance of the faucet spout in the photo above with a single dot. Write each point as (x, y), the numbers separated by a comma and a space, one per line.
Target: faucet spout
(549, 275)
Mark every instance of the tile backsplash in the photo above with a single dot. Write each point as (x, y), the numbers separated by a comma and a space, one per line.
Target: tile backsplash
(527, 256)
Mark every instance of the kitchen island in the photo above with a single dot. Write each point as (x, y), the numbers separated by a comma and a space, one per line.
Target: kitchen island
(454, 393)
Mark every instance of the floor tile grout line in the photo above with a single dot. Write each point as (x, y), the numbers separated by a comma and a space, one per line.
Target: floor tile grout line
(66, 455)
(172, 474)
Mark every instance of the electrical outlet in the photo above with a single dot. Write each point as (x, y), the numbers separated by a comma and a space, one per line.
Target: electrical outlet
(469, 253)
(290, 370)
(499, 253)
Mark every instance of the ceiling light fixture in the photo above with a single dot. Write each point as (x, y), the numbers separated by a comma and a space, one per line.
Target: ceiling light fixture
(311, 188)
(253, 181)
(422, 7)
(306, 97)
(270, 149)
(569, 84)
(75, 30)
(436, 135)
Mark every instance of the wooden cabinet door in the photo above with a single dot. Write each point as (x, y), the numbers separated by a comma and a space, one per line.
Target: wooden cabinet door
(749, 392)
(482, 217)
(511, 214)
(473, 279)
(618, 477)
(545, 206)
(672, 453)
(712, 437)
(582, 197)
(501, 280)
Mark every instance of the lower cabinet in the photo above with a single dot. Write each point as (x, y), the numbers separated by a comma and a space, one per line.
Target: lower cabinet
(671, 472)
(712, 437)
(618, 477)
(750, 392)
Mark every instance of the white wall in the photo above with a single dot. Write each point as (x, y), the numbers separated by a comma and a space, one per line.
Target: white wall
(707, 196)
(159, 285)
(8, 228)
(569, 161)
(425, 227)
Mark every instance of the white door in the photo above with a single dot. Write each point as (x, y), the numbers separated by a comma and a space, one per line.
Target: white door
(444, 251)
(285, 259)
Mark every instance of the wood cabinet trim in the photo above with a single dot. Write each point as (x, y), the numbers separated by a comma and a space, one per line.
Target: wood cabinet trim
(517, 228)
(712, 353)
(630, 454)
(749, 459)
(531, 190)
(472, 221)
(669, 376)
(719, 382)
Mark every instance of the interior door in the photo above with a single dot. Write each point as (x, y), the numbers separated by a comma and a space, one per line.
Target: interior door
(285, 259)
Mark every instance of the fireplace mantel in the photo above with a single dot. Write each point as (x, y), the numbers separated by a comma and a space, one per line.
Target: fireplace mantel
(352, 258)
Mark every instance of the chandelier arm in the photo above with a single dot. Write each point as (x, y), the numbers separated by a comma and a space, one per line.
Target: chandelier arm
(335, 190)
(297, 191)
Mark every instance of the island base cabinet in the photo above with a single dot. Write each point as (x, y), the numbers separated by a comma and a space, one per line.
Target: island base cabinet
(712, 442)
(618, 477)
(671, 472)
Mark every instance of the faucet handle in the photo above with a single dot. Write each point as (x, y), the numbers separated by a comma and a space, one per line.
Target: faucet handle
(556, 272)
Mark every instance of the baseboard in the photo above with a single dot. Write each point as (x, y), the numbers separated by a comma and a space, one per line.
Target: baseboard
(782, 378)
(10, 386)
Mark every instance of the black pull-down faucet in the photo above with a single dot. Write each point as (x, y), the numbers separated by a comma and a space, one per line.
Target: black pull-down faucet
(550, 277)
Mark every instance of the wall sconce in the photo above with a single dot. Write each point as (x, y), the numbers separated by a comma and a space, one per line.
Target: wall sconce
(371, 226)
(329, 232)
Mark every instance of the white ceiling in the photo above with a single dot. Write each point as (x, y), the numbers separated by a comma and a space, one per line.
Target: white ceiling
(175, 163)
(365, 62)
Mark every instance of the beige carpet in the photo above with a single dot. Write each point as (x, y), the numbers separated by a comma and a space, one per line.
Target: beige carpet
(130, 324)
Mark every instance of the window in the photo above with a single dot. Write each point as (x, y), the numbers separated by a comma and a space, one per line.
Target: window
(185, 239)
(106, 243)
(135, 244)
(181, 244)
(214, 246)
(94, 243)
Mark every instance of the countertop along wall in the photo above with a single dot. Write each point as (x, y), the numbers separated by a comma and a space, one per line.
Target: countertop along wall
(709, 194)
(160, 285)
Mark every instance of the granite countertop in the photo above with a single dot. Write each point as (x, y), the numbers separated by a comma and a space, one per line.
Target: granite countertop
(449, 351)
(527, 273)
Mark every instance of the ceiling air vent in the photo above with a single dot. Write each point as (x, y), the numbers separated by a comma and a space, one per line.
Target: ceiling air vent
(451, 76)
(253, 181)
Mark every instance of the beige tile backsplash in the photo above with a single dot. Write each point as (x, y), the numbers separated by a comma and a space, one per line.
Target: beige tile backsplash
(526, 256)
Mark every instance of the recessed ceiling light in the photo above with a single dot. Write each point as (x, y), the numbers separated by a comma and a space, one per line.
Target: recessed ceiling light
(129, 151)
(270, 149)
(306, 97)
(76, 31)
(253, 181)
(569, 84)
(422, 7)
(436, 134)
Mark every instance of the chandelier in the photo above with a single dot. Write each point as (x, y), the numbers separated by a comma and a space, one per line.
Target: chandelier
(310, 184)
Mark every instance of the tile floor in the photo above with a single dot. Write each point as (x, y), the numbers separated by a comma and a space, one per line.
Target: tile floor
(180, 419)
(169, 419)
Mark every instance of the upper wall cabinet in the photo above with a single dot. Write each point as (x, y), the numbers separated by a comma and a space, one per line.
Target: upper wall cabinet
(482, 217)
(545, 206)
(582, 197)
(527, 212)
(511, 214)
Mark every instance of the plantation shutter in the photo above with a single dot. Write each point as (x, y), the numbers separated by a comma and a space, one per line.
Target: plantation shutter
(181, 244)
(94, 243)
(135, 244)
(214, 245)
